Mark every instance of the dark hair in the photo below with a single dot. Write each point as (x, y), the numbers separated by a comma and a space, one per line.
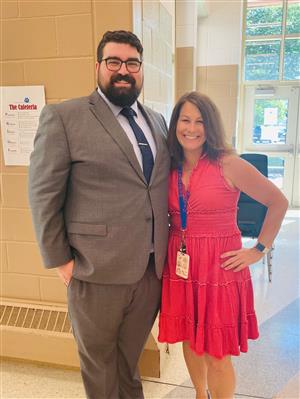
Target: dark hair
(215, 144)
(119, 36)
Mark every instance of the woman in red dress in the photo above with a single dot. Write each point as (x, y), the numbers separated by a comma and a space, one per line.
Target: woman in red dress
(207, 298)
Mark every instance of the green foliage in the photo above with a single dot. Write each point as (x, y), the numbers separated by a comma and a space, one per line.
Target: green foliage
(293, 19)
(262, 60)
(262, 57)
(292, 59)
(263, 21)
(263, 48)
(260, 106)
(267, 20)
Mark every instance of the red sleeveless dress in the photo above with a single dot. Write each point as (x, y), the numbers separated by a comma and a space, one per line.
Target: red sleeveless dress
(213, 309)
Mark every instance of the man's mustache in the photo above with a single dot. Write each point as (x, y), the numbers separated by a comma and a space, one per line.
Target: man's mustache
(126, 78)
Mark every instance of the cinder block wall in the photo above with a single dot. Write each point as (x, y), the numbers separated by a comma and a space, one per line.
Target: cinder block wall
(53, 43)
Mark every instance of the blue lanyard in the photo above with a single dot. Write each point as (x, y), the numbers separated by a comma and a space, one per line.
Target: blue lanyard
(183, 202)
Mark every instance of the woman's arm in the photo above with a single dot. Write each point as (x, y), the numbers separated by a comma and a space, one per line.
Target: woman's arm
(242, 175)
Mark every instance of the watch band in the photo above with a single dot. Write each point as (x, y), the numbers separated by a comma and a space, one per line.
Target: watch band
(261, 248)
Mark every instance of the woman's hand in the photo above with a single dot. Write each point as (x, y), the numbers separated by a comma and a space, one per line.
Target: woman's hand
(241, 258)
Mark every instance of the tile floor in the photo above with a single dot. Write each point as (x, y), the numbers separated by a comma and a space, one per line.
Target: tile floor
(270, 369)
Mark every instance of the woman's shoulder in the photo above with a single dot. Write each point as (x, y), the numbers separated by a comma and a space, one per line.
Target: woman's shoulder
(231, 160)
(230, 164)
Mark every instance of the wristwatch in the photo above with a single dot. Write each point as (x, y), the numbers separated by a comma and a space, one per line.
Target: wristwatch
(261, 248)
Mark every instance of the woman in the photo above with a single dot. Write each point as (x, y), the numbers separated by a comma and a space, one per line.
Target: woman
(207, 300)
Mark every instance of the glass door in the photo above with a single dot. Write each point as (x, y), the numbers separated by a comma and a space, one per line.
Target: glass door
(271, 127)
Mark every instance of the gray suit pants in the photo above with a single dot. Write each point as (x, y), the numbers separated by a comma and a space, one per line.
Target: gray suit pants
(111, 324)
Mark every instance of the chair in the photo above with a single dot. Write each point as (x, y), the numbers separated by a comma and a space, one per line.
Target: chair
(251, 214)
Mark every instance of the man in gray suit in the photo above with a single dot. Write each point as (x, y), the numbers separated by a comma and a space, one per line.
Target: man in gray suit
(98, 192)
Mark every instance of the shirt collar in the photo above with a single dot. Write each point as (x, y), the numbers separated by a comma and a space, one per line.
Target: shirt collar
(115, 108)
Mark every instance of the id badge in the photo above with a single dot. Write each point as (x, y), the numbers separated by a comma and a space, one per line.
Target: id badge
(182, 264)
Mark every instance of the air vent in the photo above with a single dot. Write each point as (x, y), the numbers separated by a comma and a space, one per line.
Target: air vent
(35, 317)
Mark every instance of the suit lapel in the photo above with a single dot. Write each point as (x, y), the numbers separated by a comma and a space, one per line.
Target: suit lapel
(107, 119)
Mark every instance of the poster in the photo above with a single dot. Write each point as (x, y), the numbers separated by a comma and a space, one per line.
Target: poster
(20, 108)
(271, 116)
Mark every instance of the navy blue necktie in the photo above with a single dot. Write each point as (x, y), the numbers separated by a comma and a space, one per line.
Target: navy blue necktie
(143, 144)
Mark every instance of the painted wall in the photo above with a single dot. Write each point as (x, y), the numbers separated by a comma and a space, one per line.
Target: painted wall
(53, 44)
(186, 44)
(50, 44)
(219, 34)
(218, 57)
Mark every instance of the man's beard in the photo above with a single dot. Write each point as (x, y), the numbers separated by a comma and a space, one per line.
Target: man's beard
(121, 96)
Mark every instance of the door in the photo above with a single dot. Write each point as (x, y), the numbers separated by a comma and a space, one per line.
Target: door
(271, 126)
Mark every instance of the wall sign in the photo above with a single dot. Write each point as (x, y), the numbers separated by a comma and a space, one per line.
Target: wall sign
(20, 108)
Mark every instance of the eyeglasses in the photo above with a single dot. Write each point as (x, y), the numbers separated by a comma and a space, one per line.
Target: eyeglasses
(115, 64)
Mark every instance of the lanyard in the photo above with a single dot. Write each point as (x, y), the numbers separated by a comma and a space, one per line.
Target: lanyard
(183, 202)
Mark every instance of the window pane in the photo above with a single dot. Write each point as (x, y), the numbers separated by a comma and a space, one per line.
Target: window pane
(293, 17)
(276, 171)
(262, 60)
(270, 121)
(265, 20)
(292, 59)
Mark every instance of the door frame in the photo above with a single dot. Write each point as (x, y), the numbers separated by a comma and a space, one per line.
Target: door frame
(288, 151)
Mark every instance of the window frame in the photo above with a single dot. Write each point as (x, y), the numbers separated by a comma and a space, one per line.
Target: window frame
(246, 39)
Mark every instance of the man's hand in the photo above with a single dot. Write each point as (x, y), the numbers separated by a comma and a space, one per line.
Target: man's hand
(65, 272)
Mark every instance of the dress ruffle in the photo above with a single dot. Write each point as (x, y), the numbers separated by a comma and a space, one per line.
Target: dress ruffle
(214, 308)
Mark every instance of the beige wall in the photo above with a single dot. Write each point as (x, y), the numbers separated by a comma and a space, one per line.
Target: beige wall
(220, 83)
(186, 46)
(53, 43)
(156, 27)
(185, 70)
(219, 42)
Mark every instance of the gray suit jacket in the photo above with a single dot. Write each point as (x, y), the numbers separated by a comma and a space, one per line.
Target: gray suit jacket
(89, 197)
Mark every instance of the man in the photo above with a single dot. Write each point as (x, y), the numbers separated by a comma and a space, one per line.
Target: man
(98, 193)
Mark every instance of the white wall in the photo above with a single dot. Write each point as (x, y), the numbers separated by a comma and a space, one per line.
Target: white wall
(186, 23)
(220, 33)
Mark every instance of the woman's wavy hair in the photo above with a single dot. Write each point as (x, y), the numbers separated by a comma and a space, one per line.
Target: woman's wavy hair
(215, 145)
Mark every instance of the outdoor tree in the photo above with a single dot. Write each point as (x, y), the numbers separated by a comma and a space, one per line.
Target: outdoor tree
(263, 57)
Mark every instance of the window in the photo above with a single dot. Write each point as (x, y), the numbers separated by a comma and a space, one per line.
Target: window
(276, 170)
(293, 18)
(270, 121)
(264, 20)
(262, 60)
(272, 48)
(291, 59)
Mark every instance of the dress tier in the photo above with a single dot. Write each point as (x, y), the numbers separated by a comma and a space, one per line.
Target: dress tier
(213, 309)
